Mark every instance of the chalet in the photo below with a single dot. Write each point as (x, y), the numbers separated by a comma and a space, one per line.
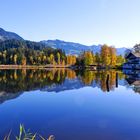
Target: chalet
(132, 61)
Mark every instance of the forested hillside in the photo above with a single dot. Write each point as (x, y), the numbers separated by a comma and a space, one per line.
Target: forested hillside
(27, 52)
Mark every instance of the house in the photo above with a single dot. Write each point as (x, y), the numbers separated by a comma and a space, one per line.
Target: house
(132, 61)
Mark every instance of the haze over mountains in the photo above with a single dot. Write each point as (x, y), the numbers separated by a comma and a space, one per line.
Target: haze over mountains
(68, 47)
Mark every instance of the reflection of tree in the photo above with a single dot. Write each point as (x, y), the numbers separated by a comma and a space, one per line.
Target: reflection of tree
(88, 77)
(112, 81)
(108, 80)
(103, 80)
(14, 81)
(71, 74)
(22, 80)
(100, 78)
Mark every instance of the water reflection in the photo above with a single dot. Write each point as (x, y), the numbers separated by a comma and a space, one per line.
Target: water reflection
(15, 82)
(133, 79)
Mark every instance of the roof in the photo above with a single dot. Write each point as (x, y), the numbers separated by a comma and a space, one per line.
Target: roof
(136, 54)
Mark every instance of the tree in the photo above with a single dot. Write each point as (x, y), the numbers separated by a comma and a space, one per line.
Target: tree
(105, 55)
(12, 51)
(4, 56)
(15, 59)
(113, 56)
(31, 60)
(52, 61)
(71, 60)
(136, 48)
(44, 59)
(11, 59)
(38, 59)
(23, 61)
(63, 62)
(97, 58)
(88, 58)
(58, 58)
(120, 60)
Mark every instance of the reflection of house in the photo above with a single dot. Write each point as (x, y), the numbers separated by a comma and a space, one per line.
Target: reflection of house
(133, 79)
(133, 61)
(134, 84)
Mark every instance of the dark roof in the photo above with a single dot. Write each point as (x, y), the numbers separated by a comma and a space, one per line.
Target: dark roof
(136, 54)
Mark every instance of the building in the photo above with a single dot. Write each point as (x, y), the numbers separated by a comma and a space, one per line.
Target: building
(132, 61)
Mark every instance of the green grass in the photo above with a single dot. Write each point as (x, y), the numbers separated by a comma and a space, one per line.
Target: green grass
(27, 135)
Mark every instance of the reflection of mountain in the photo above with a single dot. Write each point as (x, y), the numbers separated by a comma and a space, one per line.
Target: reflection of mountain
(68, 84)
(7, 96)
(133, 79)
(15, 82)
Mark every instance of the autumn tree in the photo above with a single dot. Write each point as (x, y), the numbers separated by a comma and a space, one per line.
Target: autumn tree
(71, 60)
(52, 60)
(58, 58)
(97, 58)
(105, 55)
(88, 58)
(113, 56)
(120, 60)
(23, 61)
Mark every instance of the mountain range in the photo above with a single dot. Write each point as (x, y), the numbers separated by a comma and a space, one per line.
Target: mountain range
(5, 35)
(76, 48)
(68, 47)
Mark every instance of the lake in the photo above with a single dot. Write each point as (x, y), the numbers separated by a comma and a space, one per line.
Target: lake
(71, 105)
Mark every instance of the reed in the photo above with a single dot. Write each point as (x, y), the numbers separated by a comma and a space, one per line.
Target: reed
(27, 135)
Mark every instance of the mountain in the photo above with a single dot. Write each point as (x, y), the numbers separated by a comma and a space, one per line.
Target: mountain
(76, 48)
(5, 35)
(68, 47)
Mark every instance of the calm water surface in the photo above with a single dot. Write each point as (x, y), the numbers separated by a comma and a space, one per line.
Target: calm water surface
(71, 105)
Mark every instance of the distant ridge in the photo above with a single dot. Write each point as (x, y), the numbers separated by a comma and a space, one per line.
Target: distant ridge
(76, 48)
(5, 35)
(68, 47)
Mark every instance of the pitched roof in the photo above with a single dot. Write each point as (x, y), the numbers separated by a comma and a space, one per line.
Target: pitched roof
(136, 54)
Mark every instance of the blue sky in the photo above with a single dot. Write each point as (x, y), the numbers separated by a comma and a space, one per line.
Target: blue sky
(114, 22)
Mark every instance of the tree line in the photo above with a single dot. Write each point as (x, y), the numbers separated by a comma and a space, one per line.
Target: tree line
(29, 53)
(106, 57)
(15, 52)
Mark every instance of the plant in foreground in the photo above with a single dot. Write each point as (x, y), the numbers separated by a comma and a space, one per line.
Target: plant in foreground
(27, 135)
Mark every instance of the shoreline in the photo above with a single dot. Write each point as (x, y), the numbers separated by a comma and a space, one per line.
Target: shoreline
(55, 67)
(32, 66)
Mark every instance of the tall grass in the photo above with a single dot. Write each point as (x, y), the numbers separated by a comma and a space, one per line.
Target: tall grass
(27, 135)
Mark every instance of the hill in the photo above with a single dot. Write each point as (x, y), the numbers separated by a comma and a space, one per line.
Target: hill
(5, 35)
(68, 47)
(76, 48)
